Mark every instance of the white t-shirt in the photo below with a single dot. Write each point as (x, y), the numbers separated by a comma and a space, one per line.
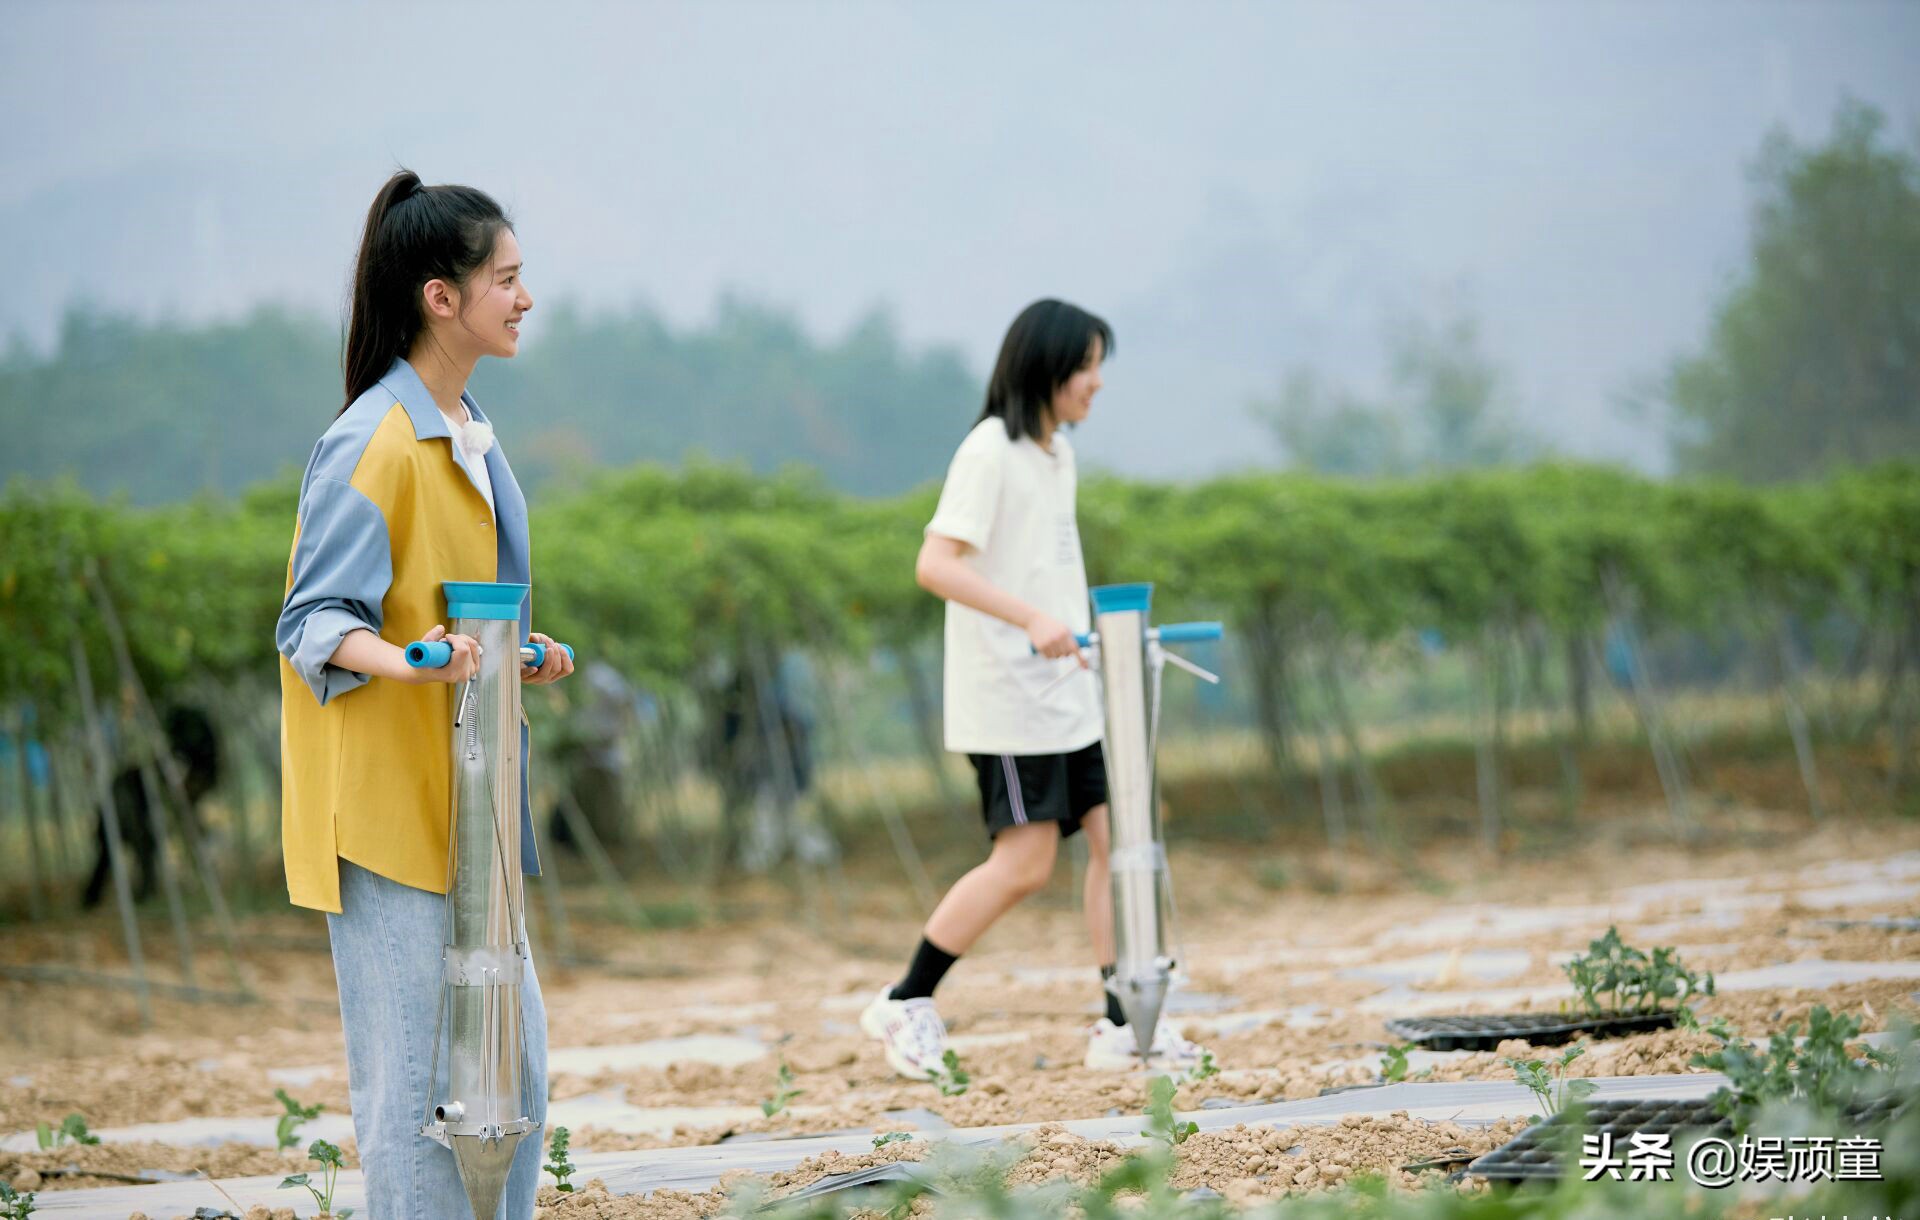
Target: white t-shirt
(1014, 503)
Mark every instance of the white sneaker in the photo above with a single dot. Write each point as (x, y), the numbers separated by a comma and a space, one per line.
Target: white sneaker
(912, 1032)
(1112, 1049)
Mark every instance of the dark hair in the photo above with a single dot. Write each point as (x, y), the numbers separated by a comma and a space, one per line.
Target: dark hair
(414, 233)
(1047, 344)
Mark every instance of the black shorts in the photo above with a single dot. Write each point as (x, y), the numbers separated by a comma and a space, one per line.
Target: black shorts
(1016, 789)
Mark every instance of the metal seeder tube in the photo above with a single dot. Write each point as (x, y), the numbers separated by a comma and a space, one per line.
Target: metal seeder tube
(1131, 660)
(485, 1112)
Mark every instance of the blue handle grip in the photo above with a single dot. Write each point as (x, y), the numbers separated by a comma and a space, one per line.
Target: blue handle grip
(1188, 633)
(424, 654)
(534, 653)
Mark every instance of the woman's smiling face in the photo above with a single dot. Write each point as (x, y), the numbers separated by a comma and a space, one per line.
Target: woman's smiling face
(1073, 401)
(498, 299)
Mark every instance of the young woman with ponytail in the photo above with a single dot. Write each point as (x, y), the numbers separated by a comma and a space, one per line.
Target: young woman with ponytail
(407, 488)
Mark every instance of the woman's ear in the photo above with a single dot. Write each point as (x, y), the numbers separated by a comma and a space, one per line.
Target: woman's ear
(440, 298)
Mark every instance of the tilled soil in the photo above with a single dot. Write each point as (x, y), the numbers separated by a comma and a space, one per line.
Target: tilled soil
(1024, 991)
(74, 1167)
(1246, 1164)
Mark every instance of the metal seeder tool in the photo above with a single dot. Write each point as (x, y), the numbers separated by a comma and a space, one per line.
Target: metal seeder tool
(1131, 658)
(486, 1111)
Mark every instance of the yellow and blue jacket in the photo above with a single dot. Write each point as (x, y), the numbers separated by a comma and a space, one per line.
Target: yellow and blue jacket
(386, 514)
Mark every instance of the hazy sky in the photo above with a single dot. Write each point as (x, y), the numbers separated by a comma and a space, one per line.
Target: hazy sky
(1240, 188)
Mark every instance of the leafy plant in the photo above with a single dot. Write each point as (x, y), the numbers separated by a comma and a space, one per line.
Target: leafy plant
(72, 1130)
(557, 1163)
(1393, 1063)
(1820, 1070)
(1687, 1019)
(950, 1078)
(1632, 980)
(15, 1204)
(783, 1091)
(1548, 1080)
(1203, 1069)
(1162, 1124)
(286, 1131)
(891, 1137)
(330, 1161)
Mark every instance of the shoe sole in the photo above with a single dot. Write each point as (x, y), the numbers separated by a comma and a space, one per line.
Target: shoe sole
(898, 1062)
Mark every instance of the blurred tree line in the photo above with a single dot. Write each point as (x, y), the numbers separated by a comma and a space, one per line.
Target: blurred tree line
(161, 411)
(1812, 360)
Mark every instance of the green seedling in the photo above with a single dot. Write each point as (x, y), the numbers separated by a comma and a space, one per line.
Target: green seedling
(329, 1158)
(15, 1204)
(72, 1130)
(783, 1091)
(287, 1130)
(891, 1137)
(1393, 1063)
(1632, 981)
(1820, 1071)
(1547, 1079)
(1688, 1019)
(557, 1163)
(1203, 1069)
(1162, 1125)
(950, 1078)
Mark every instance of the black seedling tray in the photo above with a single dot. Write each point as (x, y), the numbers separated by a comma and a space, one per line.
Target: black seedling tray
(1485, 1032)
(1532, 1155)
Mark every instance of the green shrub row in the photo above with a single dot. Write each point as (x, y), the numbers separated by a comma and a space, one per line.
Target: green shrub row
(662, 570)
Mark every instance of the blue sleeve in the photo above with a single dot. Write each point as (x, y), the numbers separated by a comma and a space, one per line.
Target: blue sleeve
(342, 567)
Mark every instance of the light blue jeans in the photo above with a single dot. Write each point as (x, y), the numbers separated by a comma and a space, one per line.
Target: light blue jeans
(386, 958)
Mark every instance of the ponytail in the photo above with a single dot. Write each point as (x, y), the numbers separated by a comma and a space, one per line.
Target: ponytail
(414, 233)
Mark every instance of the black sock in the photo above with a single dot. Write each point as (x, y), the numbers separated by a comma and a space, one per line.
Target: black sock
(1115, 1013)
(930, 965)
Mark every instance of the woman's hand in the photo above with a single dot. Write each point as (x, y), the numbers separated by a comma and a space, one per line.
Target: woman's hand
(943, 571)
(1052, 638)
(463, 664)
(557, 665)
(363, 652)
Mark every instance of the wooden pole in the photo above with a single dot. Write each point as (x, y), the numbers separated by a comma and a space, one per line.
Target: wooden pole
(1797, 725)
(1366, 785)
(66, 792)
(612, 888)
(1486, 750)
(158, 750)
(23, 784)
(1332, 805)
(902, 839)
(550, 895)
(163, 860)
(1666, 761)
(773, 736)
(110, 819)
